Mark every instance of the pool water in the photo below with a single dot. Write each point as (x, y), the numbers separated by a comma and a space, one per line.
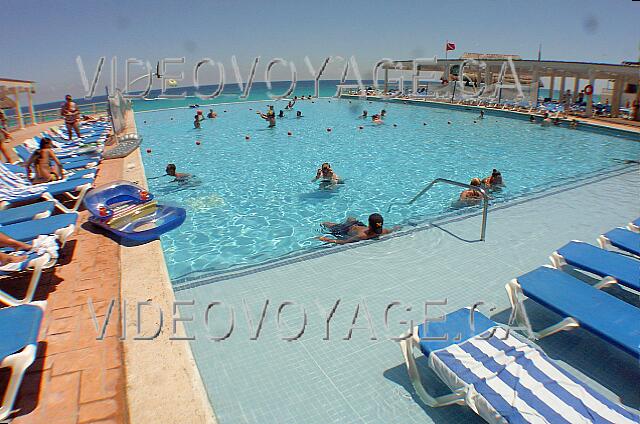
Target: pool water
(252, 200)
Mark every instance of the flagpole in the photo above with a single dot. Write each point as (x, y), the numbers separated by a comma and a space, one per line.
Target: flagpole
(446, 61)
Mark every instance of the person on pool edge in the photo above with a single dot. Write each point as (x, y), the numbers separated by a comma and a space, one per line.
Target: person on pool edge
(352, 230)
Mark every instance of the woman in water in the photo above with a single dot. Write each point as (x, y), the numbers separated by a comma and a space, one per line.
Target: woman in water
(472, 195)
(326, 174)
(494, 180)
(41, 159)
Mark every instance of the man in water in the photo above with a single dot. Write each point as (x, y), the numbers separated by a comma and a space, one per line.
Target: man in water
(42, 159)
(382, 113)
(270, 117)
(481, 114)
(71, 115)
(298, 114)
(211, 114)
(281, 114)
(171, 171)
(364, 114)
(353, 230)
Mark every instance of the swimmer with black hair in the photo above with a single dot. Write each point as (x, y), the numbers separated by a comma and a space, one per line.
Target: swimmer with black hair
(270, 117)
(298, 114)
(364, 114)
(352, 230)
(179, 176)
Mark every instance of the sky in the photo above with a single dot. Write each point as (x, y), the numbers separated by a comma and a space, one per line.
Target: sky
(43, 38)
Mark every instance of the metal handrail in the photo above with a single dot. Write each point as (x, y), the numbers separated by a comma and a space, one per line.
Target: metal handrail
(485, 198)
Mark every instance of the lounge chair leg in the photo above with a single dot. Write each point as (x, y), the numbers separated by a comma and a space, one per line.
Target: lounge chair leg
(18, 363)
(557, 261)
(604, 242)
(605, 282)
(455, 398)
(565, 324)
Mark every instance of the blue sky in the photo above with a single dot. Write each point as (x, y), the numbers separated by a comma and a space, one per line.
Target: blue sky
(42, 39)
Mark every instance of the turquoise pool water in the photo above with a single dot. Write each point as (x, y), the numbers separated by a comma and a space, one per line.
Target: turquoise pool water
(252, 200)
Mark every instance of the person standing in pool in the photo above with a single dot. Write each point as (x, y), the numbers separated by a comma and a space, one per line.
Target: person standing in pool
(270, 117)
(211, 114)
(494, 180)
(298, 114)
(352, 230)
(470, 194)
(481, 114)
(325, 173)
(364, 114)
(281, 114)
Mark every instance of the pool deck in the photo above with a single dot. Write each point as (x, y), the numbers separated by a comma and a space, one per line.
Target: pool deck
(78, 379)
(313, 380)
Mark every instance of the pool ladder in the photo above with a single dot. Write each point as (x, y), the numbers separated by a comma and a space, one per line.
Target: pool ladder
(485, 199)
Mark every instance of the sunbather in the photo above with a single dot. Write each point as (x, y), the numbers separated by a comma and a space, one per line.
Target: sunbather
(71, 114)
(353, 230)
(4, 136)
(6, 241)
(42, 159)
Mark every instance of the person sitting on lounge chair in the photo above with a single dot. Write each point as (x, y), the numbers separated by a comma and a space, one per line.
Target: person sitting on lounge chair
(6, 241)
(41, 159)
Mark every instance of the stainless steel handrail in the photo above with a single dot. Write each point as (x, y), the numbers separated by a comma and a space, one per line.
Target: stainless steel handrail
(485, 199)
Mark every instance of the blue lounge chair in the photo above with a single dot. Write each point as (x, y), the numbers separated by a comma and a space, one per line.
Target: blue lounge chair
(33, 263)
(26, 213)
(501, 377)
(582, 305)
(73, 162)
(621, 238)
(15, 188)
(634, 225)
(61, 225)
(612, 267)
(19, 328)
(68, 174)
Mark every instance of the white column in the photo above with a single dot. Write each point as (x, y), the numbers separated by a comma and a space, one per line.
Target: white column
(576, 85)
(18, 109)
(386, 80)
(31, 111)
(534, 87)
(615, 98)
(592, 82)
(552, 83)
(562, 83)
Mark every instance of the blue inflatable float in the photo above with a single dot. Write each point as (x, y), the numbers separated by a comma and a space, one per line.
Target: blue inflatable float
(130, 212)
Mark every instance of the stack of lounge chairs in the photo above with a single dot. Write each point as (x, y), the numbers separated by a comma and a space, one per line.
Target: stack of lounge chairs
(506, 379)
(27, 214)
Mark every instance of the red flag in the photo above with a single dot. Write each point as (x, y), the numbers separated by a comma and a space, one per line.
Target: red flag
(450, 46)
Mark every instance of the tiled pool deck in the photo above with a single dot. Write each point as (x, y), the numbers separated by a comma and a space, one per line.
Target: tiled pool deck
(311, 380)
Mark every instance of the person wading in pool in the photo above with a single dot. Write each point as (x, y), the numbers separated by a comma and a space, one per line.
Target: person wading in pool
(270, 117)
(171, 171)
(471, 195)
(353, 230)
(494, 180)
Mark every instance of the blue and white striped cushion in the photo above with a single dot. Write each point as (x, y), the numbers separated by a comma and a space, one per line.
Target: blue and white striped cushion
(14, 186)
(510, 381)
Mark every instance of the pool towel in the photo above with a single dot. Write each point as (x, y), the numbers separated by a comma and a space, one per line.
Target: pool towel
(510, 381)
(42, 245)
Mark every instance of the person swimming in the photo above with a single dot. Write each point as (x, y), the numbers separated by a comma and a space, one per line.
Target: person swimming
(494, 180)
(382, 113)
(376, 119)
(270, 116)
(41, 159)
(281, 114)
(298, 114)
(179, 176)
(481, 114)
(211, 114)
(547, 120)
(532, 119)
(472, 195)
(364, 114)
(352, 230)
(291, 103)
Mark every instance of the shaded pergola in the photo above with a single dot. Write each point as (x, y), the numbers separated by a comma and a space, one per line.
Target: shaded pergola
(532, 71)
(10, 91)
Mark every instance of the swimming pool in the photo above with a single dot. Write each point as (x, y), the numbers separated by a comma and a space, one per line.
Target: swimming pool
(252, 200)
